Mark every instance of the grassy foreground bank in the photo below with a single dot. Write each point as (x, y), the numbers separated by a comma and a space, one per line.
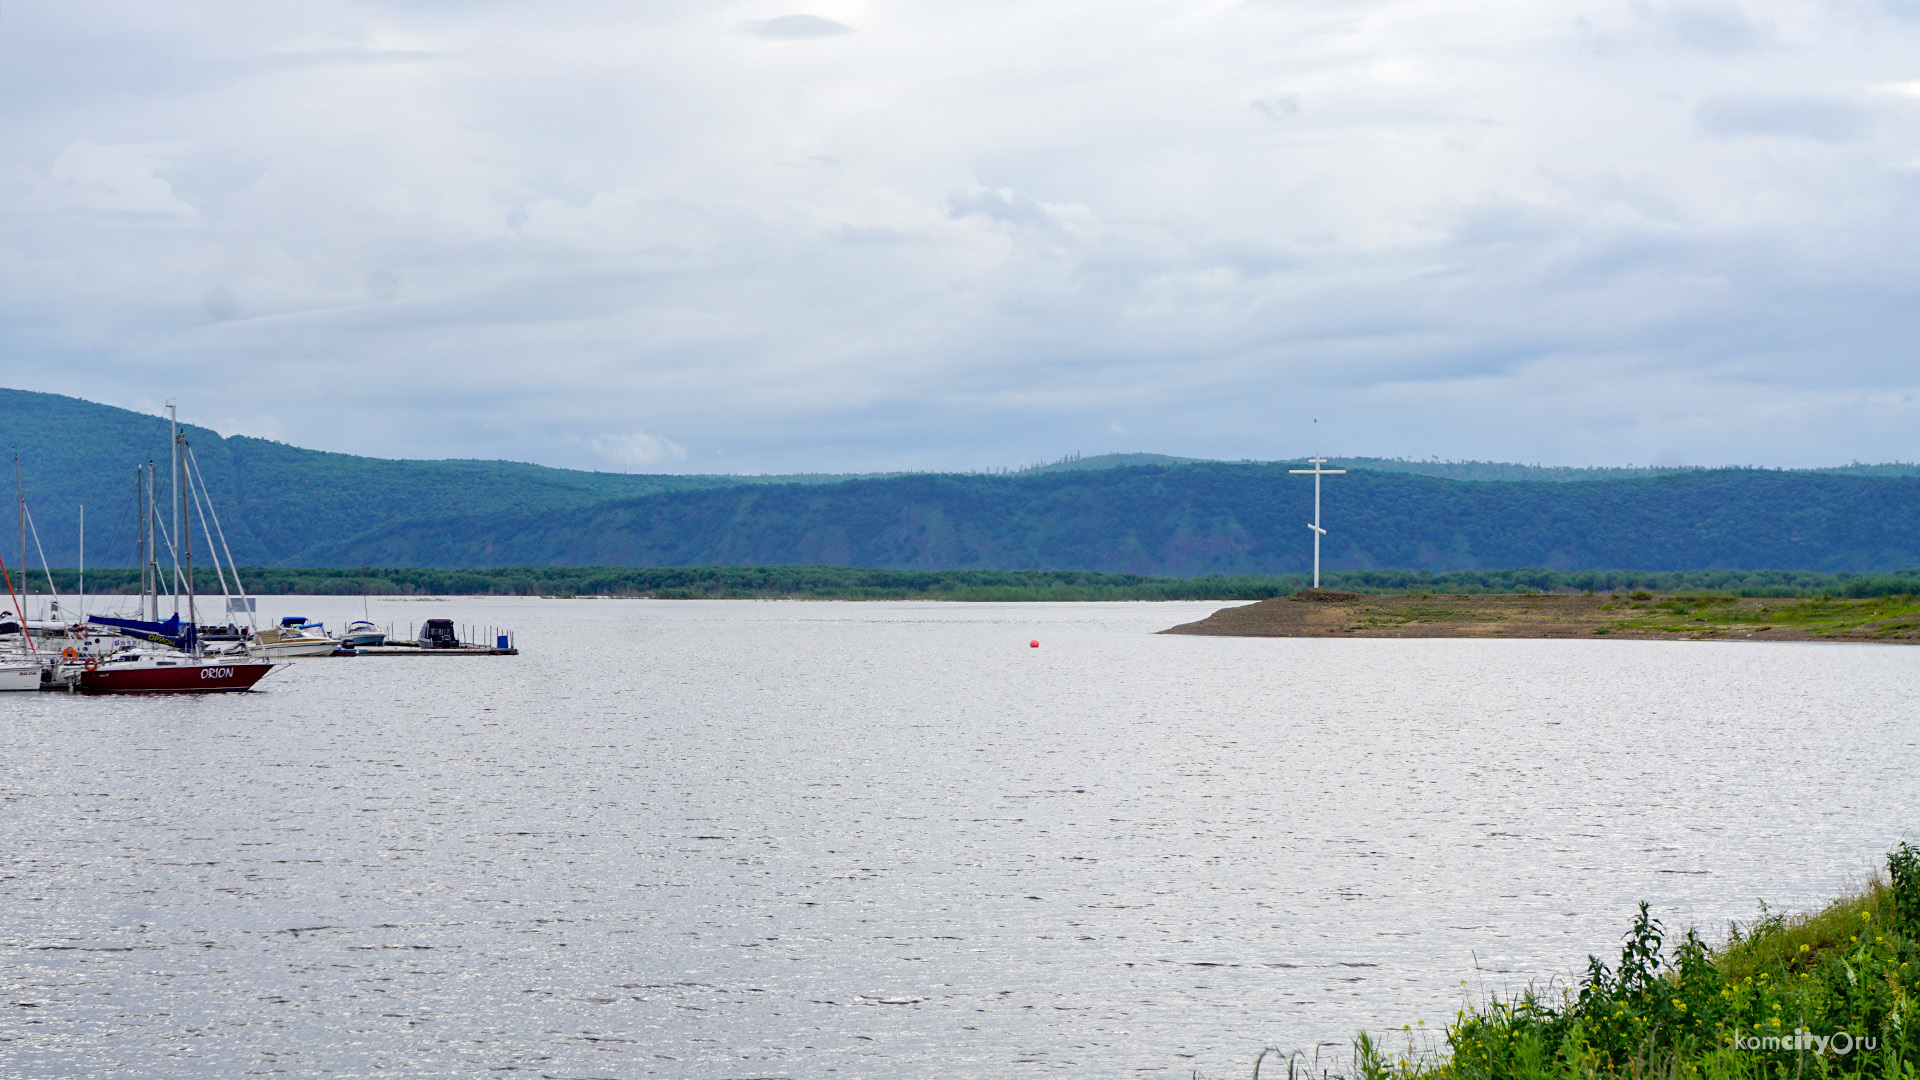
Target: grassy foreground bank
(1830, 994)
(859, 583)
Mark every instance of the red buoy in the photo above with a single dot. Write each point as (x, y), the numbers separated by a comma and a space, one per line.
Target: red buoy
(1034, 644)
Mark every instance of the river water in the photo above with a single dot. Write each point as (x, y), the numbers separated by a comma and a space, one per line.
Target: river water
(783, 839)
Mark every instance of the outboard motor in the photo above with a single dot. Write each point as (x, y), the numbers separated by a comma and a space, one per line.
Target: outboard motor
(438, 634)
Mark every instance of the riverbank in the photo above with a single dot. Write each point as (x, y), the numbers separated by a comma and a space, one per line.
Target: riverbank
(1827, 994)
(1639, 615)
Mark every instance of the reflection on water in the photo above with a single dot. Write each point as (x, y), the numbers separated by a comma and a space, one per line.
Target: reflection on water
(732, 839)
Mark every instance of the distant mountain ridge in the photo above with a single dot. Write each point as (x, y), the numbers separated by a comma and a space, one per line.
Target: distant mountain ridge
(1135, 513)
(1202, 519)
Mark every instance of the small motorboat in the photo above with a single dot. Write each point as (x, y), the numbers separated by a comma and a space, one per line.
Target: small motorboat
(439, 634)
(361, 633)
(295, 636)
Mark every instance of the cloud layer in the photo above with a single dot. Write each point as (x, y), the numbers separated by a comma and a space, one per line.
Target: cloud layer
(906, 235)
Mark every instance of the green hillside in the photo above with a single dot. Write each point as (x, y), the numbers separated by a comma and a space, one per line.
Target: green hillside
(1496, 471)
(274, 500)
(1120, 513)
(1200, 519)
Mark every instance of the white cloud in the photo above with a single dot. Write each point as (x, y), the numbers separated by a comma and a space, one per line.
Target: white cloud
(791, 27)
(121, 179)
(1804, 117)
(638, 449)
(968, 235)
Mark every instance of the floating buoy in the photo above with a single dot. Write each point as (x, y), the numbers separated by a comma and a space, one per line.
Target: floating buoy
(1034, 644)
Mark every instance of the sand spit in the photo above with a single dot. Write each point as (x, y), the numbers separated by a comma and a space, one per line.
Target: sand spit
(1327, 613)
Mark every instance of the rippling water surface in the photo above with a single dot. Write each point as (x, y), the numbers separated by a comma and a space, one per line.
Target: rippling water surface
(741, 839)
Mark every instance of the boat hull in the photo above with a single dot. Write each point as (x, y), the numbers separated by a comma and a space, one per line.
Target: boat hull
(296, 647)
(185, 677)
(19, 676)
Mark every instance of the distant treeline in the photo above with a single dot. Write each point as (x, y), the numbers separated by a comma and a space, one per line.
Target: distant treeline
(856, 583)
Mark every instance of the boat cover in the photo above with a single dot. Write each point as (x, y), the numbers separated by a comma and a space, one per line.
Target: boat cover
(169, 632)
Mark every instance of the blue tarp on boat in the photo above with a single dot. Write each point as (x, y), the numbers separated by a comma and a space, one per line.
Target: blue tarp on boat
(169, 632)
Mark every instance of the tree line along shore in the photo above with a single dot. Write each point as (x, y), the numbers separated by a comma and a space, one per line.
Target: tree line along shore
(861, 583)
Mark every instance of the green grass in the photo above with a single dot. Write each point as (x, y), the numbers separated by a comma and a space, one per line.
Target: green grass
(1711, 615)
(1674, 1009)
(1441, 614)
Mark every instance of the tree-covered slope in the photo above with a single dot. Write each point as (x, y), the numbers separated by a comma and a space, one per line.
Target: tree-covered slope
(1196, 519)
(1130, 513)
(273, 500)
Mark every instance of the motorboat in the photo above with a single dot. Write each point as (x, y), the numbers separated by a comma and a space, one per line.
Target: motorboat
(361, 633)
(295, 636)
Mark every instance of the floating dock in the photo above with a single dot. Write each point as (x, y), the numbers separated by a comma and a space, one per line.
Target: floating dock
(411, 649)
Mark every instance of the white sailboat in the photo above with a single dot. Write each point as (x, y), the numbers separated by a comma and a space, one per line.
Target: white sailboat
(17, 674)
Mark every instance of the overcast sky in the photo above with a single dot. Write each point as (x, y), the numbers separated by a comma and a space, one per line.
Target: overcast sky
(872, 235)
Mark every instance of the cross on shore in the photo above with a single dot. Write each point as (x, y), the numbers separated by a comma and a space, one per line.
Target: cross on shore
(1317, 472)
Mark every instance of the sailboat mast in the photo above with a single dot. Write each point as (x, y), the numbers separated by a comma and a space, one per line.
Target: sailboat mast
(173, 484)
(153, 539)
(83, 563)
(186, 538)
(149, 584)
(139, 533)
(26, 580)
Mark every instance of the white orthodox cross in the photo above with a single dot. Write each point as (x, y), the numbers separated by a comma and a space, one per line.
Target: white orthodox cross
(1317, 472)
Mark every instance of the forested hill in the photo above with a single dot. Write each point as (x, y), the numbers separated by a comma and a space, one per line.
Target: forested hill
(285, 506)
(1199, 519)
(273, 499)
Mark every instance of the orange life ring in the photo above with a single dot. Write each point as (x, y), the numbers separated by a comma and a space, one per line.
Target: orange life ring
(92, 662)
(69, 653)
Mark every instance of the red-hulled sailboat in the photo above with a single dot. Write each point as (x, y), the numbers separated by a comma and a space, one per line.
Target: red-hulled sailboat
(181, 666)
(144, 672)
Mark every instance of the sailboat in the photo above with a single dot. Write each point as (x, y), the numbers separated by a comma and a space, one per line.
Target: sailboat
(182, 665)
(17, 674)
(19, 670)
(361, 633)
